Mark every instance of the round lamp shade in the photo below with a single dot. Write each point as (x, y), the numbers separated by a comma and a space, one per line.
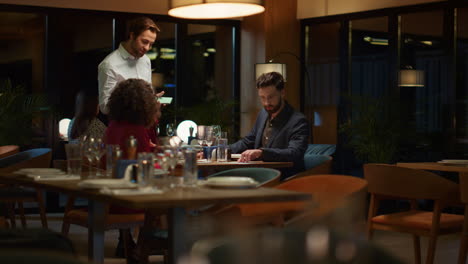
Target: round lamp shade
(411, 78)
(183, 130)
(214, 9)
(261, 68)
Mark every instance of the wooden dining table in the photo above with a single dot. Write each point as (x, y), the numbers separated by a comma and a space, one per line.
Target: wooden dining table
(434, 166)
(175, 201)
(235, 164)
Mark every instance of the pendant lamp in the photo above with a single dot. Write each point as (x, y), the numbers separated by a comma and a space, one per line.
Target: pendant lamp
(214, 9)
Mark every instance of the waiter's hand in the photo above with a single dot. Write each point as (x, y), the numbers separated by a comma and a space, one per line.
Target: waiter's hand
(160, 94)
(251, 154)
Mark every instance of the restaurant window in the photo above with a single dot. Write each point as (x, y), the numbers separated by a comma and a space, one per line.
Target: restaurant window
(423, 48)
(462, 79)
(322, 88)
(369, 56)
(206, 87)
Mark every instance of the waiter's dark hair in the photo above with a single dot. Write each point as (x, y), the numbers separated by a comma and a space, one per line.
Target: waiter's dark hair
(140, 24)
(271, 78)
(133, 101)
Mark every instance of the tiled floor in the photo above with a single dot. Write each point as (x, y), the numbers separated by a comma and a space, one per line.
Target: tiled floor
(400, 245)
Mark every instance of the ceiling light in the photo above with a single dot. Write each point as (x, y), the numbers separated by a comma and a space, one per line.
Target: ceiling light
(214, 9)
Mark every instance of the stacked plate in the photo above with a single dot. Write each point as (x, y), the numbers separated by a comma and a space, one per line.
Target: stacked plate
(45, 174)
(454, 162)
(231, 182)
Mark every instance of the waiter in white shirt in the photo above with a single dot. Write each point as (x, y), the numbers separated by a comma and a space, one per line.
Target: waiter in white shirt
(129, 60)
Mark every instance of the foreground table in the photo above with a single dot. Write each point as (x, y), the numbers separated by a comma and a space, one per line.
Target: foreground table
(175, 201)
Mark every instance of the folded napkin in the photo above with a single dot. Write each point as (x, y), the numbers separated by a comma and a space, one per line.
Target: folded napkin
(138, 191)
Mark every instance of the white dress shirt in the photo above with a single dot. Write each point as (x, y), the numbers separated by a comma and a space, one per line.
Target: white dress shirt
(119, 66)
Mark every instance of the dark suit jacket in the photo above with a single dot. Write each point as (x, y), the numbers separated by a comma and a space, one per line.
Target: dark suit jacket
(288, 140)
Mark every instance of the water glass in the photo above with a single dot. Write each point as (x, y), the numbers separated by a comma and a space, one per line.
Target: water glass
(113, 153)
(73, 152)
(222, 150)
(145, 168)
(190, 168)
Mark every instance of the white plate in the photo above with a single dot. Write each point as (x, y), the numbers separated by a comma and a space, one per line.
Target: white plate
(454, 162)
(108, 183)
(231, 182)
(39, 171)
(53, 177)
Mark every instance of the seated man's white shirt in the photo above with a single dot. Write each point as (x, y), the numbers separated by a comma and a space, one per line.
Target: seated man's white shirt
(120, 66)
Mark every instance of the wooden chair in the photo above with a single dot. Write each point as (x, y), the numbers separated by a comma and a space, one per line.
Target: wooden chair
(328, 191)
(33, 158)
(8, 150)
(464, 238)
(123, 221)
(392, 182)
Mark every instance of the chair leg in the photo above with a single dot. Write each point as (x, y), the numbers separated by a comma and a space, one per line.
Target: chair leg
(417, 249)
(431, 249)
(22, 216)
(41, 205)
(374, 204)
(11, 213)
(463, 240)
(66, 223)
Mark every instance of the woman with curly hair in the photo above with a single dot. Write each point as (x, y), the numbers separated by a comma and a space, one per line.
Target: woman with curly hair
(133, 111)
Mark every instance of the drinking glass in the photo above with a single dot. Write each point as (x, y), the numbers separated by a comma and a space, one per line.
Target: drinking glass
(170, 129)
(145, 168)
(222, 150)
(209, 138)
(73, 152)
(201, 135)
(190, 168)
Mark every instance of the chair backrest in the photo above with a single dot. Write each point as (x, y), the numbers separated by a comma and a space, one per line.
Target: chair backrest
(33, 158)
(8, 150)
(391, 180)
(321, 149)
(464, 187)
(328, 191)
(264, 176)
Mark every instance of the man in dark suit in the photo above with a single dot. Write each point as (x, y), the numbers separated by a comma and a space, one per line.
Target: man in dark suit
(280, 133)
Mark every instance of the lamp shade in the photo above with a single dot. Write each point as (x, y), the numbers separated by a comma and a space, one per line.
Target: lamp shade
(411, 78)
(214, 9)
(261, 68)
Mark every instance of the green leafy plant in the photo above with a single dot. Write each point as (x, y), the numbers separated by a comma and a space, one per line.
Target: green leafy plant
(374, 130)
(17, 112)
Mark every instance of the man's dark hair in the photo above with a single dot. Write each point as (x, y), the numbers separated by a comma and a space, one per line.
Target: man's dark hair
(269, 79)
(133, 101)
(140, 24)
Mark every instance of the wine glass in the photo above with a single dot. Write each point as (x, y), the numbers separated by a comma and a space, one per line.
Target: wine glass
(216, 131)
(88, 152)
(99, 148)
(170, 129)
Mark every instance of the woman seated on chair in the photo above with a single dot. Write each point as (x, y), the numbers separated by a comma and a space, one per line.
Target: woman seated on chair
(85, 122)
(133, 111)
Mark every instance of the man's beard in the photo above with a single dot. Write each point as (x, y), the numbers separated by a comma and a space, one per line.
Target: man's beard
(275, 109)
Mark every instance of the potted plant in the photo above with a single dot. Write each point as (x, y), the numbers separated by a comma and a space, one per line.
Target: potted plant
(17, 112)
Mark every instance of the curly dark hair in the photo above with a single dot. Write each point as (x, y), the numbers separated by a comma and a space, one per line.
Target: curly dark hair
(133, 101)
(271, 78)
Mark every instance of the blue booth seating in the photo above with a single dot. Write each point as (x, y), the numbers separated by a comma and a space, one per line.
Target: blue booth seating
(318, 159)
